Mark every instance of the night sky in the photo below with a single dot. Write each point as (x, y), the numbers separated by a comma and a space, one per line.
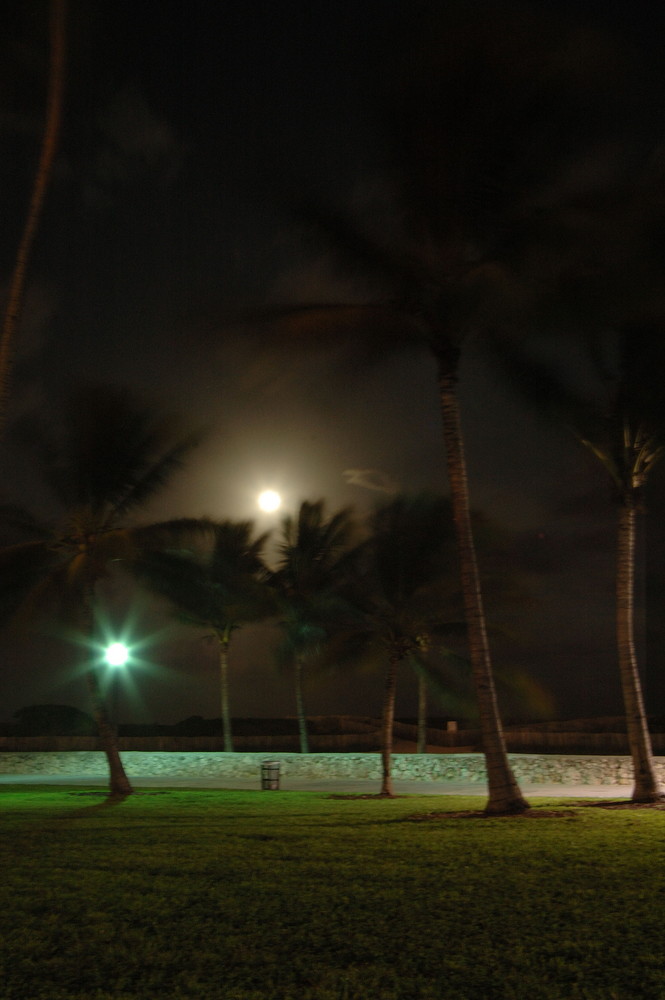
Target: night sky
(186, 125)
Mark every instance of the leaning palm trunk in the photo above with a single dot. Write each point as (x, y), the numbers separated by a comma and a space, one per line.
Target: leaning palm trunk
(387, 725)
(119, 784)
(40, 185)
(300, 706)
(224, 686)
(504, 794)
(647, 787)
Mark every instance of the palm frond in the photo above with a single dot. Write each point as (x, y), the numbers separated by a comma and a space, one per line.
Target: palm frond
(152, 478)
(182, 580)
(220, 584)
(605, 457)
(396, 265)
(411, 547)
(111, 453)
(437, 681)
(180, 534)
(314, 549)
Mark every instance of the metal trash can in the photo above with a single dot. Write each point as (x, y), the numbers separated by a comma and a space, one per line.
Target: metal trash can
(270, 775)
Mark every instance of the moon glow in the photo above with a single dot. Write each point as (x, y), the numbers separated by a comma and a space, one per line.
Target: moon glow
(269, 501)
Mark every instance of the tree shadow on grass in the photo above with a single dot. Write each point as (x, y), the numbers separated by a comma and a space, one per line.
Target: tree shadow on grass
(366, 795)
(534, 813)
(624, 804)
(540, 813)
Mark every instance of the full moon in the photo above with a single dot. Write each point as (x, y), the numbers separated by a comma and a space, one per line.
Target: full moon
(269, 500)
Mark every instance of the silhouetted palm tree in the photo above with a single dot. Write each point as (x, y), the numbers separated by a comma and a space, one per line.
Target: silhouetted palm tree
(483, 114)
(406, 594)
(431, 314)
(111, 458)
(635, 443)
(219, 585)
(493, 130)
(313, 566)
(617, 411)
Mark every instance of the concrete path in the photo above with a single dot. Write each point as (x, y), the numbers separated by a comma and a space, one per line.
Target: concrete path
(332, 786)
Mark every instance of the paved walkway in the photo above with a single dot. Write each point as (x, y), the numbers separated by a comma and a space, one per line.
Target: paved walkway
(348, 786)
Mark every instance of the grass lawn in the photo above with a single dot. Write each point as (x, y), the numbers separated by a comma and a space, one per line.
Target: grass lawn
(215, 895)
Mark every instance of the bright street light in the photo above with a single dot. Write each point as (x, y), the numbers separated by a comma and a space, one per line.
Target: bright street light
(116, 654)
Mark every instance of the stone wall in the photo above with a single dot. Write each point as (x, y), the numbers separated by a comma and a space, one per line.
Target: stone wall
(464, 767)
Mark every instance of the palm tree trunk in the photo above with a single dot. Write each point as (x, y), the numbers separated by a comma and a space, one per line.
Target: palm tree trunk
(647, 787)
(41, 181)
(300, 706)
(387, 725)
(505, 796)
(421, 745)
(224, 686)
(119, 785)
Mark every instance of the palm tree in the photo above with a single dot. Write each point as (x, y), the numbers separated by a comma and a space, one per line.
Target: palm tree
(430, 314)
(58, 16)
(434, 321)
(629, 460)
(481, 122)
(406, 593)
(604, 298)
(313, 566)
(621, 422)
(110, 459)
(219, 585)
(486, 117)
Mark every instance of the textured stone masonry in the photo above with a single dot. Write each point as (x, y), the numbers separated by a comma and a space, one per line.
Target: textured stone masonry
(466, 767)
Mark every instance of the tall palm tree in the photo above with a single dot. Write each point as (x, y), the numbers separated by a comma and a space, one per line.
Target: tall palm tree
(218, 585)
(436, 311)
(620, 420)
(636, 447)
(486, 117)
(313, 566)
(434, 321)
(430, 315)
(111, 458)
(44, 170)
(478, 124)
